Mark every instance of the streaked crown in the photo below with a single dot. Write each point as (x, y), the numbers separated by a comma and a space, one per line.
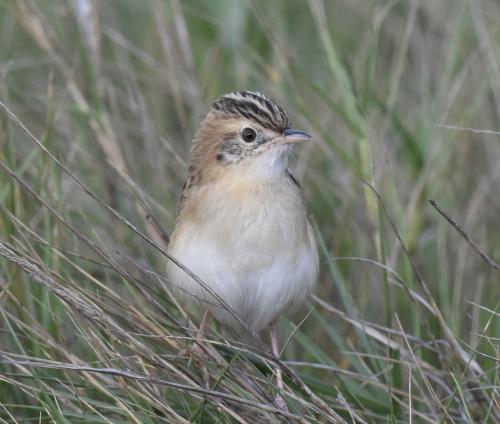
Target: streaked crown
(253, 106)
(244, 135)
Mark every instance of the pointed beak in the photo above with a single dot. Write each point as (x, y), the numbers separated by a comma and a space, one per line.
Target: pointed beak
(294, 136)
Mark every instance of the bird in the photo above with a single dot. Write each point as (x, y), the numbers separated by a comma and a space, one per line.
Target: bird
(247, 250)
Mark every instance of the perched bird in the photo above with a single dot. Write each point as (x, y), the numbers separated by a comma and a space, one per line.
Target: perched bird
(242, 224)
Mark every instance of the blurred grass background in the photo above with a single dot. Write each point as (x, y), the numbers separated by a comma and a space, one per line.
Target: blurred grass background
(404, 95)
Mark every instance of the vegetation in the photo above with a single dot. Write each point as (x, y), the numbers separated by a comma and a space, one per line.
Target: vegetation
(99, 103)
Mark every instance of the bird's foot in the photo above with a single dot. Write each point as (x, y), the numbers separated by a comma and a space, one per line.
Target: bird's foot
(189, 352)
(199, 357)
(280, 402)
(196, 357)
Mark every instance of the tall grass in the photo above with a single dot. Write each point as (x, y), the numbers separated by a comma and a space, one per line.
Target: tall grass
(99, 103)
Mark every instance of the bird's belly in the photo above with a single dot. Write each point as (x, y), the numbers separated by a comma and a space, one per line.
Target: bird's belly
(263, 266)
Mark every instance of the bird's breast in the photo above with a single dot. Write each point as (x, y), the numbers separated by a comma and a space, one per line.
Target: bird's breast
(261, 218)
(252, 244)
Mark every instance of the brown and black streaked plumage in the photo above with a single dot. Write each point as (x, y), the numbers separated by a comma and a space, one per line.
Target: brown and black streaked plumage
(253, 106)
(264, 116)
(242, 226)
(239, 190)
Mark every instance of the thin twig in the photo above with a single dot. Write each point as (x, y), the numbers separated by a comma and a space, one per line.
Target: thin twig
(466, 237)
(468, 129)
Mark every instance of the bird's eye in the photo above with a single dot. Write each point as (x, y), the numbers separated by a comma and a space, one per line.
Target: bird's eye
(248, 135)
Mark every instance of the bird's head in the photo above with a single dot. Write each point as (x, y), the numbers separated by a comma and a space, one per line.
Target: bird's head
(245, 131)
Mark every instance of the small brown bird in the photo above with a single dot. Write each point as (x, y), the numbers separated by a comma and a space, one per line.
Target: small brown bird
(242, 226)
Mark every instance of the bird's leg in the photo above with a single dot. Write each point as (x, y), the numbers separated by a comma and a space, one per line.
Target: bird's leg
(197, 350)
(203, 324)
(200, 333)
(273, 333)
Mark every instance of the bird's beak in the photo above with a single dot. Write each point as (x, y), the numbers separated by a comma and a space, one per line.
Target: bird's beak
(294, 136)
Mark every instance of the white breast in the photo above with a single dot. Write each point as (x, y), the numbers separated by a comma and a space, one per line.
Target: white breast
(252, 244)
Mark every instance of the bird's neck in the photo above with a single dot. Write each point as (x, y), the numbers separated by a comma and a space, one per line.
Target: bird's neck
(268, 166)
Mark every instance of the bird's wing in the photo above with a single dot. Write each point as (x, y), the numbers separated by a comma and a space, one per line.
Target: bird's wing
(294, 180)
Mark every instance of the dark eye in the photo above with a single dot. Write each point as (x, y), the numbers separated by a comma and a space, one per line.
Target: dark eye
(248, 135)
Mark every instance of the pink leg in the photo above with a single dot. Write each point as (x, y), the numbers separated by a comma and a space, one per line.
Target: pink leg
(197, 351)
(273, 333)
(203, 324)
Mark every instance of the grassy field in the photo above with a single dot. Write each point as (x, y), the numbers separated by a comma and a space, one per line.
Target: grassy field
(99, 103)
